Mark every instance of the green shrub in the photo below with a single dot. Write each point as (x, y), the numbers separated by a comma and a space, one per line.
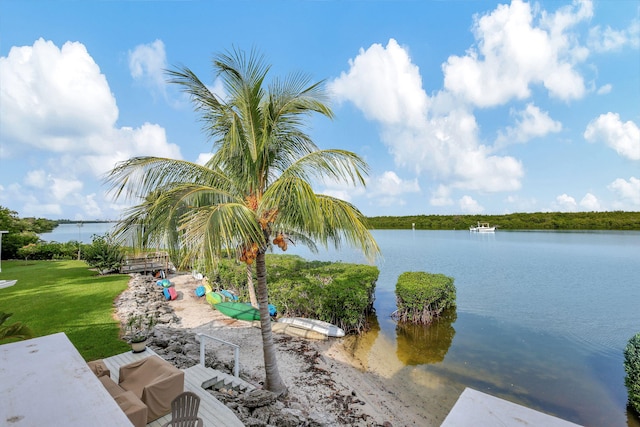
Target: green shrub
(103, 254)
(49, 251)
(422, 297)
(632, 369)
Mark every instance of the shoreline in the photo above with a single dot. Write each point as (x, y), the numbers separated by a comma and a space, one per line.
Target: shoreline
(326, 381)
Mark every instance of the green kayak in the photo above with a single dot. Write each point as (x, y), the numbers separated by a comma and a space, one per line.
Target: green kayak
(238, 310)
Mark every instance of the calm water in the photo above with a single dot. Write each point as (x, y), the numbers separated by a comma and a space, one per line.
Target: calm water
(542, 317)
(83, 233)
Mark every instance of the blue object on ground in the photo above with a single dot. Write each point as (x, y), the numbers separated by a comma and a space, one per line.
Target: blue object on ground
(164, 282)
(166, 293)
(229, 295)
(200, 291)
(272, 309)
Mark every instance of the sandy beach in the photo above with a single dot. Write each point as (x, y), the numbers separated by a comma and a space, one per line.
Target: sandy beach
(323, 376)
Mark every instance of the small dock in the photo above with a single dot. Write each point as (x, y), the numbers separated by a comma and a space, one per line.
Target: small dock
(150, 263)
(212, 411)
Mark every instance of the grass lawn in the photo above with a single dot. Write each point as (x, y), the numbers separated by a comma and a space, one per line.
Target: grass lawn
(65, 296)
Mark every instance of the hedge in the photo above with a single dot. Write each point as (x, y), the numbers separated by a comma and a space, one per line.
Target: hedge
(632, 369)
(421, 297)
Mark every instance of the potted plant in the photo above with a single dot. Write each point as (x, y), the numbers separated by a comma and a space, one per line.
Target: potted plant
(138, 329)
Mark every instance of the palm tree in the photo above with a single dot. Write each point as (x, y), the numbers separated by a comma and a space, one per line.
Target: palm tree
(15, 331)
(258, 184)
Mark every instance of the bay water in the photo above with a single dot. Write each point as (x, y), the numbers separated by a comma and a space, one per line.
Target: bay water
(80, 232)
(542, 318)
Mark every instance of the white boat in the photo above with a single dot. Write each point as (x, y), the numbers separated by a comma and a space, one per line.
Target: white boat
(294, 331)
(313, 325)
(482, 227)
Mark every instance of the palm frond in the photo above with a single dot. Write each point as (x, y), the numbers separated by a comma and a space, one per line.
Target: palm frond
(337, 165)
(342, 220)
(140, 176)
(296, 203)
(16, 330)
(212, 229)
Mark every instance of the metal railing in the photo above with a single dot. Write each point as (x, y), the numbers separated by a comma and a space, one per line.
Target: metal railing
(236, 352)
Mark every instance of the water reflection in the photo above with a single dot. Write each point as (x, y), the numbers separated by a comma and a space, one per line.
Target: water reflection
(425, 344)
(359, 346)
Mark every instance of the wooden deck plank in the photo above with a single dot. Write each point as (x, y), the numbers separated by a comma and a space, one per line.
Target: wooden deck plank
(212, 411)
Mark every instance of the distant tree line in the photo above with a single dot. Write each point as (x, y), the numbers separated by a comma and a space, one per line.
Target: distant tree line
(75, 221)
(24, 232)
(615, 220)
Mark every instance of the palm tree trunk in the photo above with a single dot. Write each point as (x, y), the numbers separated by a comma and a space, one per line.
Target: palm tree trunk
(252, 289)
(273, 380)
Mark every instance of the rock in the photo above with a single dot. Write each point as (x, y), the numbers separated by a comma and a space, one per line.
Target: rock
(253, 422)
(298, 414)
(258, 398)
(264, 414)
(317, 419)
(175, 347)
(160, 342)
(285, 419)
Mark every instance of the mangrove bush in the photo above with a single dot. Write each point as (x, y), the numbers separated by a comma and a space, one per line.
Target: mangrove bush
(632, 369)
(421, 297)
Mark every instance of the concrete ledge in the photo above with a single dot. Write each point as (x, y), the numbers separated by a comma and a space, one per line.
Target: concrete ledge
(478, 409)
(7, 283)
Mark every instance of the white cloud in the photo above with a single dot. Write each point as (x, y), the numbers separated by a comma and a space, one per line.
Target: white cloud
(443, 141)
(203, 158)
(468, 205)
(604, 89)
(61, 188)
(389, 183)
(513, 53)
(147, 63)
(126, 142)
(530, 123)
(590, 203)
(55, 102)
(340, 190)
(622, 137)
(627, 191)
(52, 98)
(218, 89)
(384, 84)
(91, 207)
(388, 189)
(441, 196)
(565, 203)
(36, 178)
(607, 39)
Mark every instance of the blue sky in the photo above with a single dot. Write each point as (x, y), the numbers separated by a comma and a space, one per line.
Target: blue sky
(459, 107)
